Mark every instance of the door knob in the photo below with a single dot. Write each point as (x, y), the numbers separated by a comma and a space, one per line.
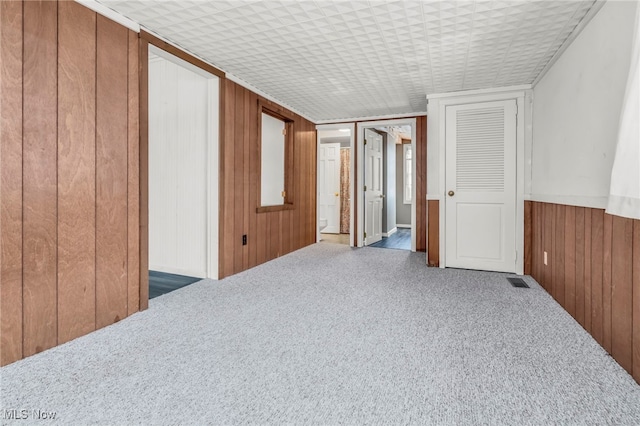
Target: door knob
(451, 193)
(337, 194)
(381, 195)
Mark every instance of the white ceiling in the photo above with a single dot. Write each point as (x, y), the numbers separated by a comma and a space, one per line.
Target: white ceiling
(333, 60)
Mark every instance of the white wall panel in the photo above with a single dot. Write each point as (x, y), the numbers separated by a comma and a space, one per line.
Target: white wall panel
(179, 192)
(576, 111)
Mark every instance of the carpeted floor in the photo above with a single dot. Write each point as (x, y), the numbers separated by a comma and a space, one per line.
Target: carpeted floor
(333, 335)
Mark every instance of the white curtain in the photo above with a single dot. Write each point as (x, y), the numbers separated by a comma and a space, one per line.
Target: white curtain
(624, 194)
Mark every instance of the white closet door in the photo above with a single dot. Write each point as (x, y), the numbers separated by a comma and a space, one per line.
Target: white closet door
(480, 204)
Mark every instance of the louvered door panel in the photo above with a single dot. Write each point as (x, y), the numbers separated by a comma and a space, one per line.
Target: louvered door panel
(481, 186)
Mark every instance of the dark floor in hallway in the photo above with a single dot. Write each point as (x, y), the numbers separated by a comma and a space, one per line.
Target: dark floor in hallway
(400, 240)
(162, 283)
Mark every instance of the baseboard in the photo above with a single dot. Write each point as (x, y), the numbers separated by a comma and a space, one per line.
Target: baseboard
(390, 233)
(401, 225)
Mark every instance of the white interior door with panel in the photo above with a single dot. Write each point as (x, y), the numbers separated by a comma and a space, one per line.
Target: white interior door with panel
(480, 182)
(329, 190)
(373, 196)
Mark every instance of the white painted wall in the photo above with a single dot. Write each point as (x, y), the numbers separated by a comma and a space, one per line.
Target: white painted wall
(576, 111)
(183, 169)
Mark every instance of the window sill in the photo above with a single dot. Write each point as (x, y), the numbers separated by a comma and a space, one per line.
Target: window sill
(265, 209)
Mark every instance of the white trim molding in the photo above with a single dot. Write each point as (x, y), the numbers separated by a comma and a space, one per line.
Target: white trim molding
(570, 200)
(436, 152)
(360, 188)
(107, 12)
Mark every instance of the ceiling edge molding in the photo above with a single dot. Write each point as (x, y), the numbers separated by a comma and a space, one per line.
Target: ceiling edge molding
(374, 118)
(107, 12)
(597, 5)
(268, 97)
(519, 88)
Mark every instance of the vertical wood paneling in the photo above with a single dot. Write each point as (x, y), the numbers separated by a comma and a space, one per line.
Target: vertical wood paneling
(39, 177)
(601, 275)
(570, 260)
(527, 236)
(133, 185)
(269, 234)
(579, 268)
(56, 176)
(11, 182)
(143, 68)
(597, 244)
(254, 150)
(246, 176)
(239, 172)
(76, 171)
(622, 291)
(434, 232)
(421, 184)
(111, 171)
(228, 214)
(636, 301)
(558, 258)
(548, 246)
(587, 270)
(606, 282)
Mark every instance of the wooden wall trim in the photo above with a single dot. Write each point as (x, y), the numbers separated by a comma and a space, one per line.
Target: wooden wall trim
(167, 47)
(144, 172)
(593, 271)
(11, 34)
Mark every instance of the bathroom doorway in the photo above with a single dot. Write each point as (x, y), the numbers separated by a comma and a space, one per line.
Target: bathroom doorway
(335, 184)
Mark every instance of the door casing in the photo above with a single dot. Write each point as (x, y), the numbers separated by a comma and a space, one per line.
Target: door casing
(360, 174)
(522, 96)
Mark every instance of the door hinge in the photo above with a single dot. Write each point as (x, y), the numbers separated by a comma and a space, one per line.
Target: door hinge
(284, 131)
(284, 194)
(365, 141)
(365, 235)
(365, 187)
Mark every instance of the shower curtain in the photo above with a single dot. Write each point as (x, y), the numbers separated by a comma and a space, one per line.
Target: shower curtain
(345, 196)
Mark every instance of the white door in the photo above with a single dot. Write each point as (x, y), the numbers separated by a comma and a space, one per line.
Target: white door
(329, 186)
(178, 191)
(480, 206)
(373, 195)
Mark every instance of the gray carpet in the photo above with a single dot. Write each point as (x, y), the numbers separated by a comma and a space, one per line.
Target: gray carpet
(333, 335)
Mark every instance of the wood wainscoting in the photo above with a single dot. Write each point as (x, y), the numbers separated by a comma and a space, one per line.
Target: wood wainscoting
(592, 270)
(70, 192)
(270, 234)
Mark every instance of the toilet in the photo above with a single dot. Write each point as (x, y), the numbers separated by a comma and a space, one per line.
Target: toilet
(322, 223)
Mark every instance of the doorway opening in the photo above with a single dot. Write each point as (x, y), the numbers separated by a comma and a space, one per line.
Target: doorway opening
(183, 173)
(335, 184)
(387, 170)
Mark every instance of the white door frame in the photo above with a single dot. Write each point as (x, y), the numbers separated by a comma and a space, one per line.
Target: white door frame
(360, 190)
(213, 159)
(338, 126)
(519, 97)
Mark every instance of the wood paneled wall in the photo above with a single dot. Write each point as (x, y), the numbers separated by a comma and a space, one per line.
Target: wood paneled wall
(433, 215)
(69, 188)
(592, 270)
(269, 234)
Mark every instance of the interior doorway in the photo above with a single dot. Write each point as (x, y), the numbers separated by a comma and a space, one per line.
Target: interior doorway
(183, 173)
(335, 184)
(387, 171)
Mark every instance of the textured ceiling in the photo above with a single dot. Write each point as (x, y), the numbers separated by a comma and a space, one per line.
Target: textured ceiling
(332, 60)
